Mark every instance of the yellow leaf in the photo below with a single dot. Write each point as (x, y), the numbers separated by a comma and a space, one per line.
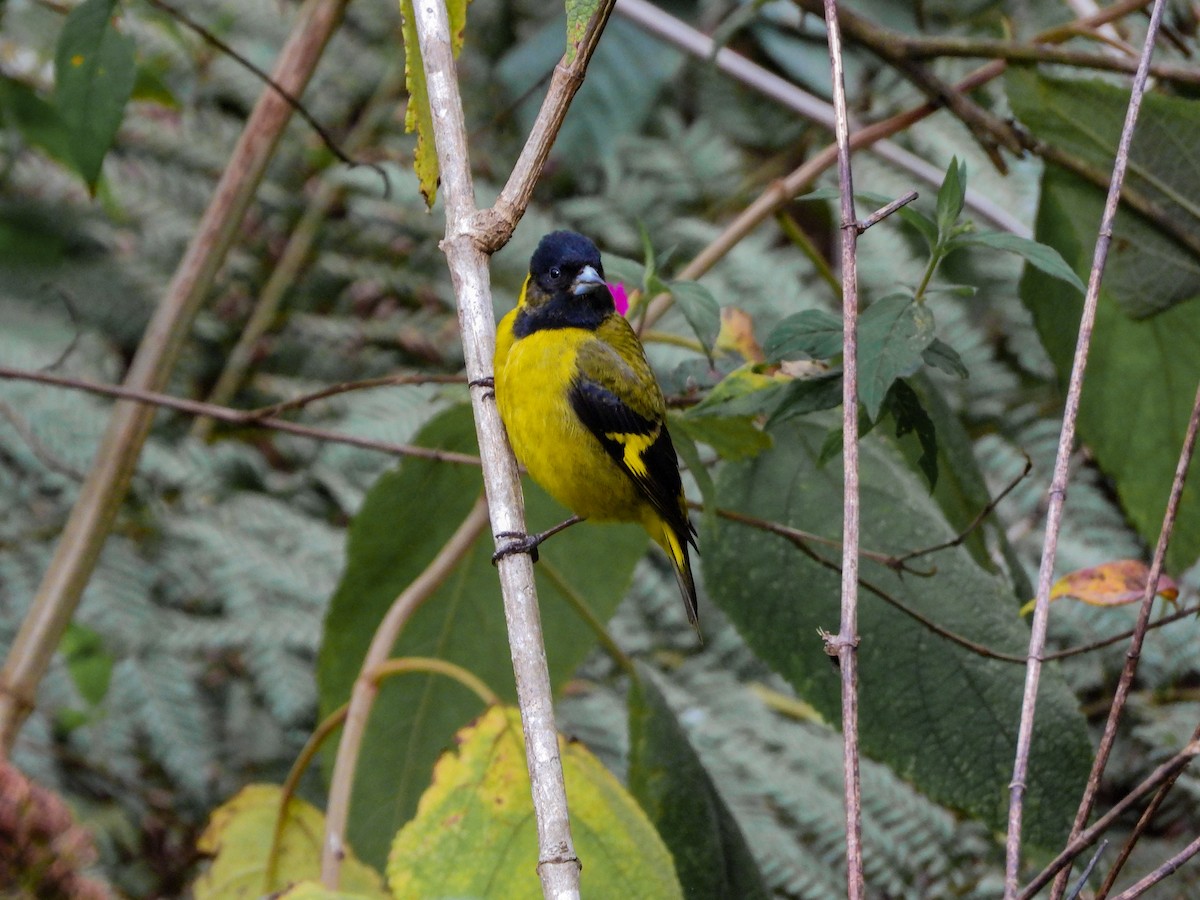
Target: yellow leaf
(239, 835)
(737, 334)
(474, 834)
(418, 116)
(1111, 584)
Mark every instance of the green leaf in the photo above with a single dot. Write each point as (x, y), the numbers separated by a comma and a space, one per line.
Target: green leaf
(942, 356)
(892, 336)
(813, 333)
(37, 121)
(1147, 271)
(579, 14)
(668, 779)
(733, 437)
(938, 714)
(807, 395)
(88, 661)
(405, 519)
(1141, 373)
(743, 392)
(1041, 256)
(701, 310)
(689, 454)
(951, 196)
(94, 73)
(479, 803)
(418, 116)
(910, 417)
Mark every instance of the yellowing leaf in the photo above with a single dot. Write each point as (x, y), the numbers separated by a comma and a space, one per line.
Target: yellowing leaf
(1110, 584)
(737, 334)
(418, 116)
(474, 834)
(312, 890)
(239, 836)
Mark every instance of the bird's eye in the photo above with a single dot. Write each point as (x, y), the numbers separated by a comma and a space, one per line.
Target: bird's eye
(555, 273)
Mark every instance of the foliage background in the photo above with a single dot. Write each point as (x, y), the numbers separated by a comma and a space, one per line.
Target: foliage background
(190, 668)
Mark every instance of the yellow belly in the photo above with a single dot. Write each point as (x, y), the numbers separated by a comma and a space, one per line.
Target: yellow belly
(548, 438)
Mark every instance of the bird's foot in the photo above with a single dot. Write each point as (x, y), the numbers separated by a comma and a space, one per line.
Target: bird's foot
(517, 543)
(487, 382)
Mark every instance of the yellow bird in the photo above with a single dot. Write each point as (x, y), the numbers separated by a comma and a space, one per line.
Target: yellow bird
(581, 406)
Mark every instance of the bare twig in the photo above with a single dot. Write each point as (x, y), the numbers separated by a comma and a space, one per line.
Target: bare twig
(883, 212)
(1085, 839)
(296, 253)
(782, 192)
(251, 417)
(47, 459)
(366, 686)
(1139, 829)
(1133, 654)
(1161, 872)
(102, 492)
(658, 22)
(1087, 871)
(491, 228)
(1058, 484)
(292, 99)
(845, 645)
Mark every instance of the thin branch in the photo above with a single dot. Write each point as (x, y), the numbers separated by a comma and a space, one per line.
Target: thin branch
(366, 686)
(491, 228)
(1161, 872)
(1139, 829)
(268, 412)
(116, 457)
(883, 212)
(44, 456)
(979, 519)
(916, 46)
(1087, 870)
(1058, 483)
(308, 753)
(297, 251)
(431, 665)
(1134, 653)
(470, 235)
(782, 192)
(1085, 839)
(677, 32)
(242, 417)
(845, 645)
(292, 100)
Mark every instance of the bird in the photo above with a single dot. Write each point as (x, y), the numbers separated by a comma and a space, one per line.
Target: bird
(582, 409)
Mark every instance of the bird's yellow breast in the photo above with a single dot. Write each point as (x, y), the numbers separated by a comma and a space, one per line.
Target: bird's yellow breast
(533, 380)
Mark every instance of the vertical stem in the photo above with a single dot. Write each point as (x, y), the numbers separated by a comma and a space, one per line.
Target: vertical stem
(558, 866)
(846, 643)
(1058, 483)
(116, 457)
(366, 686)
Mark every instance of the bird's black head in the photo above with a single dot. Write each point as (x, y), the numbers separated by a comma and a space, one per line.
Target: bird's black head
(566, 287)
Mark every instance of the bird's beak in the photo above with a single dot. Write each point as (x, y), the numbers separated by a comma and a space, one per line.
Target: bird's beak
(586, 281)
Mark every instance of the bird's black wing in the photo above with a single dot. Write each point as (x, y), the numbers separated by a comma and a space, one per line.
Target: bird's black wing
(640, 446)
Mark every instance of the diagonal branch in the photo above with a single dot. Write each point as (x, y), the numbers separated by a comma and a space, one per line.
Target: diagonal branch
(1133, 654)
(1058, 483)
(102, 492)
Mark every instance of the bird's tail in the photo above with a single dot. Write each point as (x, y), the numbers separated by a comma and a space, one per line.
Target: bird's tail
(675, 546)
